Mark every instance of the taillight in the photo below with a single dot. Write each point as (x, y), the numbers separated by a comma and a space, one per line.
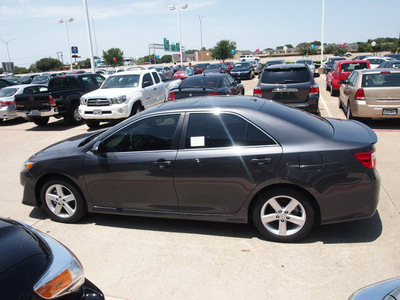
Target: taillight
(171, 96)
(5, 103)
(314, 89)
(52, 101)
(257, 92)
(359, 95)
(368, 159)
(212, 93)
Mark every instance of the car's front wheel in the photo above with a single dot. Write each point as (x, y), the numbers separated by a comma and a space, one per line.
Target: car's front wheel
(92, 123)
(62, 200)
(283, 215)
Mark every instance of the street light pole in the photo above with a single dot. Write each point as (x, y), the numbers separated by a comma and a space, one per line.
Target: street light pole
(201, 38)
(66, 30)
(177, 7)
(8, 52)
(89, 37)
(323, 27)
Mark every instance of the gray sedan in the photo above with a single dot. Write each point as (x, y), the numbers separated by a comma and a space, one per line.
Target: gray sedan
(216, 158)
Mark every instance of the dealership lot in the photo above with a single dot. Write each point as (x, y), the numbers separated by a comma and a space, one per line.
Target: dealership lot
(146, 258)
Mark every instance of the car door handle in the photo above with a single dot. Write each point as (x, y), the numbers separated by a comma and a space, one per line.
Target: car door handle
(154, 89)
(162, 163)
(261, 161)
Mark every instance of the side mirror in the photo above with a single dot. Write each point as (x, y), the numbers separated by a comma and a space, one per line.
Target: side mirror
(98, 149)
(238, 81)
(316, 75)
(146, 84)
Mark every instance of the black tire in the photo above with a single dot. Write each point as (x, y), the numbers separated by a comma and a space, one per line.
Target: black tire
(40, 121)
(92, 123)
(327, 87)
(242, 92)
(136, 108)
(340, 103)
(73, 117)
(62, 200)
(333, 92)
(349, 115)
(278, 224)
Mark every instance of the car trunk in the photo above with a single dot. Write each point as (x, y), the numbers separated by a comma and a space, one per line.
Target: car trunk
(194, 92)
(32, 101)
(383, 96)
(287, 93)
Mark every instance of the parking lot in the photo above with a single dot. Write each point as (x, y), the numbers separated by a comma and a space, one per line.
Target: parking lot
(148, 258)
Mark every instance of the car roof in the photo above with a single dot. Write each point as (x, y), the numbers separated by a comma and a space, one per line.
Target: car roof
(377, 71)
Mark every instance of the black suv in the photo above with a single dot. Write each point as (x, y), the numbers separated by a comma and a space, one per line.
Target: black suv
(290, 84)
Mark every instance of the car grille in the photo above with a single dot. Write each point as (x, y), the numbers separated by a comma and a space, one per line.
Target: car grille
(98, 102)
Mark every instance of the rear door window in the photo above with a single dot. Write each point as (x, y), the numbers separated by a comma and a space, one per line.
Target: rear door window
(383, 79)
(65, 83)
(155, 76)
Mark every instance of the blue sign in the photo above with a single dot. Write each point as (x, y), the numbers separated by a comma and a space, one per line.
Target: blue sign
(158, 56)
(74, 49)
(312, 46)
(99, 60)
(233, 51)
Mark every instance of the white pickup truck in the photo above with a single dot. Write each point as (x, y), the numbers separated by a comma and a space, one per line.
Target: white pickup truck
(124, 94)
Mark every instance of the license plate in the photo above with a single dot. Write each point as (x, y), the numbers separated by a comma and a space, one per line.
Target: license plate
(389, 111)
(35, 112)
(97, 111)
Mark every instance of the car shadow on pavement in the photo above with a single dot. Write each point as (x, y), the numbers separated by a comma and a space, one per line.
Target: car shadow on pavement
(12, 122)
(392, 124)
(359, 231)
(57, 125)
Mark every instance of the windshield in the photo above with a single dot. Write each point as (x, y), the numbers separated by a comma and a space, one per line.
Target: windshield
(202, 82)
(40, 79)
(308, 62)
(8, 92)
(242, 65)
(349, 67)
(214, 67)
(109, 72)
(121, 81)
(282, 76)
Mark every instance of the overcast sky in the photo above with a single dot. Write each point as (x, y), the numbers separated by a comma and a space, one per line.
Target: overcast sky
(133, 24)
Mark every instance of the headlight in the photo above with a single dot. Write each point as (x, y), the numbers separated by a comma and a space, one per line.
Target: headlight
(83, 101)
(27, 165)
(64, 273)
(119, 99)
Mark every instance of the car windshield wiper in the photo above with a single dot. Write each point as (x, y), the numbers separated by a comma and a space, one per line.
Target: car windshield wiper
(291, 81)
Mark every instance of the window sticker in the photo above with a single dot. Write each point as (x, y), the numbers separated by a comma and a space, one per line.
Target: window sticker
(197, 141)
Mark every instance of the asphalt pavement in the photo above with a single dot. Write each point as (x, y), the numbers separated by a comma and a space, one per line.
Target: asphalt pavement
(149, 258)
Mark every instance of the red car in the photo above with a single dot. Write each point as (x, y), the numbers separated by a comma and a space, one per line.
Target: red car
(229, 65)
(340, 71)
(181, 73)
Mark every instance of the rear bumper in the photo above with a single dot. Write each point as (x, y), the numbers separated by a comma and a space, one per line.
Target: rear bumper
(37, 113)
(363, 110)
(7, 113)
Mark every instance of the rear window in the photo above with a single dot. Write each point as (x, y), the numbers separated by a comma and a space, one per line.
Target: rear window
(65, 83)
(383, 79)
(202, 81)
(40, 79)
(8, 92)
(242, 65)
(350, 67)
(282, 76)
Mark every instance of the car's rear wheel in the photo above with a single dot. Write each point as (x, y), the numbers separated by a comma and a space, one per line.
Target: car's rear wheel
(349, 115)
(283, 215)
(40, 121)
(333, 92)
(62, 201)
(74, 117)
(327, 87)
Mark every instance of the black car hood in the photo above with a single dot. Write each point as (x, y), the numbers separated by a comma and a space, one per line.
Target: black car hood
(68, 145)
(17, 244)
(240, 69)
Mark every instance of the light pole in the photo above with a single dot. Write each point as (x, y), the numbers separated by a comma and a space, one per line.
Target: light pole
(66, 30)
(201, 38)
(8, 52)
(89, 36)
(177, 7)
(323, 26)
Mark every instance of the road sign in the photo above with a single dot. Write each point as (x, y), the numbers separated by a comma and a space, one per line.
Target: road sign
(166, 44)
(177, 47)
(74, 49)
(172, 47)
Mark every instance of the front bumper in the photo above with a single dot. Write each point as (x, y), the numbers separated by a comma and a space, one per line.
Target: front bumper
(37, 113)
(112, 112)
(241, 75)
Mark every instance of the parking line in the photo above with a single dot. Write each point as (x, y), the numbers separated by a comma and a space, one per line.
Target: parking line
(324, 103)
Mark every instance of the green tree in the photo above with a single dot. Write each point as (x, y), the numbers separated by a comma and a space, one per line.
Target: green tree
(84, 64)
(305, 49)
(166, 59)
(48, 64)
(110, 54)
(19, 70)
(289, 45)
(223, 50)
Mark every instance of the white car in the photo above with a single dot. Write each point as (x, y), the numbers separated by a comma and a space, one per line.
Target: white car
(7, 107)
(375, 61)
(308, 62)
(248, 57)
(124, 94)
